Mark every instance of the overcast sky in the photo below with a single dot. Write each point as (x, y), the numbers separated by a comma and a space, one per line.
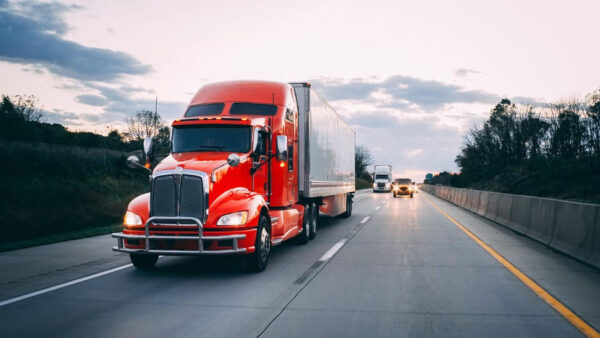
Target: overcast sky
(410, 76)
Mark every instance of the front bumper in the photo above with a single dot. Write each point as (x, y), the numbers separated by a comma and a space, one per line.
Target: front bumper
(193, 241)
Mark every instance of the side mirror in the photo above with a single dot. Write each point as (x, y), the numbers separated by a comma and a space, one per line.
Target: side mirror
(233, 160)
(148, 148)
(133, 161)
(282, 152)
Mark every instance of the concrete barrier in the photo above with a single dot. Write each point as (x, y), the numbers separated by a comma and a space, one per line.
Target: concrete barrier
(574, 229)
(504, 209)
(483, 202)
(492, 205)
(570, 227)
(594, 258)
(520, 215)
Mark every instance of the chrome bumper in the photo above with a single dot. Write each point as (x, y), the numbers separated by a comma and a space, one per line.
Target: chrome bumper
(173, 222)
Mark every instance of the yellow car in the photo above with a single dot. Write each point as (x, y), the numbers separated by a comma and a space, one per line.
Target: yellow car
(403, 186)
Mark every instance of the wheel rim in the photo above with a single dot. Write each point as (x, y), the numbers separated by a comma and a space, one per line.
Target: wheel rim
(265, 244)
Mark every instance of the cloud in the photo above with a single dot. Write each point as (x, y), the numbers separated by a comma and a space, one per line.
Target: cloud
(464, 72)
(32, 33)
(403, 91)
(122, 101)
(92, 100)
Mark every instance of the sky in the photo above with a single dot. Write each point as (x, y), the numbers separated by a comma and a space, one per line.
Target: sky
(411, 77)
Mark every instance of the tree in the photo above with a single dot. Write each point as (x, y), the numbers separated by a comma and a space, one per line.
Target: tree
(21, 108)
(142, 124)
(362, 159)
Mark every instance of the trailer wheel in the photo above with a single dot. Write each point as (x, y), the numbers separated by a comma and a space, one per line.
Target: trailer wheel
(348, 211)
(314, 220)
(304, 236)
(143, 261)
(257, 261)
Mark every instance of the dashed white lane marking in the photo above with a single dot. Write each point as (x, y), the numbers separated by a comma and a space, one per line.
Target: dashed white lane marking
(327, 256)
(364, 220)
(63, 285)
(377, 208)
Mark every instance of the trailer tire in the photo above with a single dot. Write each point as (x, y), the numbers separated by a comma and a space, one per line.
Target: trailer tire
(314, 220)
(143, 261)
(304, 236)
(348, 211)
(258, 260)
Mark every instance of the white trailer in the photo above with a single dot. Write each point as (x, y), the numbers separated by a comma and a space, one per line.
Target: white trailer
(326, 152)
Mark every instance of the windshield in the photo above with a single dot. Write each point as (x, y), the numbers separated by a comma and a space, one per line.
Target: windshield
(403, 181)
(235, 139)
(381, 177)
(253, 109)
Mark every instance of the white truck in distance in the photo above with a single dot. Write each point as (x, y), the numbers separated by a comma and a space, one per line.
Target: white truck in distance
(382, 178)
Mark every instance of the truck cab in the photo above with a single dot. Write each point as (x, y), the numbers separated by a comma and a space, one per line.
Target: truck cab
(382, 178)
(230, 183)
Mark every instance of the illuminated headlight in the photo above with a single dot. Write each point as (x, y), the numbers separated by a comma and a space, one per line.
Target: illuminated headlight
(236, 218)
(396, 187)
(387, 184)
(374, 185)
(410, 188)
(130, 219)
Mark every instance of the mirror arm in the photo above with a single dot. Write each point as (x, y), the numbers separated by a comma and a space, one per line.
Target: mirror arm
(141, 166)
(260, 164)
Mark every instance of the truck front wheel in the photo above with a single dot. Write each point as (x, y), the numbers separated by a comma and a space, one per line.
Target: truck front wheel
(257, 261)
(143, 261)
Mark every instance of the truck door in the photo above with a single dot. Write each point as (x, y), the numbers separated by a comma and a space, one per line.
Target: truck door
(259, 156)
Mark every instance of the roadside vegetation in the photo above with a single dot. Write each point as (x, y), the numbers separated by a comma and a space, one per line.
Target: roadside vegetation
(362, 159)
(548, 151)
(57, 184)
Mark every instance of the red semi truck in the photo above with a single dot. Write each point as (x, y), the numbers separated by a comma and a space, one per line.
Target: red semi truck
(251, 165)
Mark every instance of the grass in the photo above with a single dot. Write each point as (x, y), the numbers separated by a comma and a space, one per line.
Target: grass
(67, 236)
(363, 184)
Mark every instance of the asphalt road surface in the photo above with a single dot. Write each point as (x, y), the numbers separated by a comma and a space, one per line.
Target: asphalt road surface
(397, 267)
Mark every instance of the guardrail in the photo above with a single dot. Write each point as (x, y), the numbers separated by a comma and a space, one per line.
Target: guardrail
(569, 227)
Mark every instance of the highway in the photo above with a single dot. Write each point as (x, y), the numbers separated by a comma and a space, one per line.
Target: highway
(397, 267)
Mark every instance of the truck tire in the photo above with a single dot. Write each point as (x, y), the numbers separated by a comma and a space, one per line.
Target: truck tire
(143, 261)
(411, 195)
(258, 260)
(304, 236)
(348, 211)
(314, 220)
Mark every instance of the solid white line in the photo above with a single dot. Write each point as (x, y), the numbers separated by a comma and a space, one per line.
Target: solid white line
(377, 208)
(365, 220)
(327, 256)
(63, 285)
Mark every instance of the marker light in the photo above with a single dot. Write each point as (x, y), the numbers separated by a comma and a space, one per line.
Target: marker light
(236, 218)
(282, 164)
(130, 219)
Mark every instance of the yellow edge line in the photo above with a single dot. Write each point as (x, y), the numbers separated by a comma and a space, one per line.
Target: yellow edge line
(564, 311)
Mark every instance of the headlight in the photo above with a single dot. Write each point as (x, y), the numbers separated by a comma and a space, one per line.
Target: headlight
(130, 219)
(410, 188)
(374, 185)
(236, 218)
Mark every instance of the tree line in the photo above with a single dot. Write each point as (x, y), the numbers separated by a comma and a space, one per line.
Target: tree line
(22, 119)
(548, 150)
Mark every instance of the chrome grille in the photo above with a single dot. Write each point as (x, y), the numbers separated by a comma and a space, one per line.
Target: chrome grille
(178, 195)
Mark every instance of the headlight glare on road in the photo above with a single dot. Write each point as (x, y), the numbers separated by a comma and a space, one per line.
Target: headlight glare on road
(236, 218)
(131, 219)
